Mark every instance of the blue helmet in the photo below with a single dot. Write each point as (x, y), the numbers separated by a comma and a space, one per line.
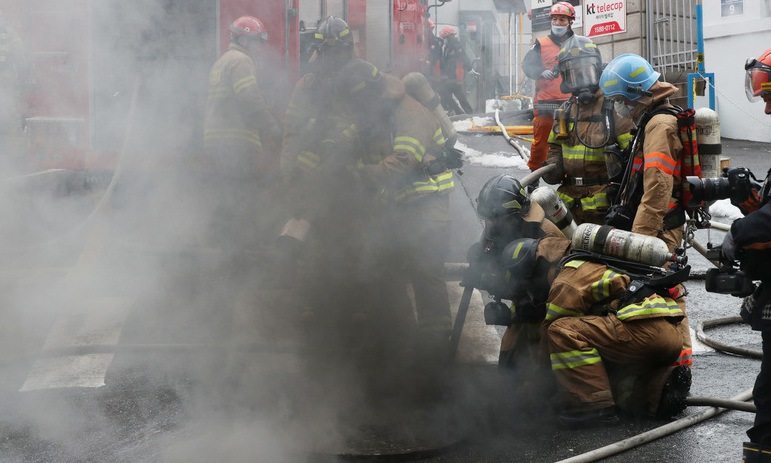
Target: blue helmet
(629, 76)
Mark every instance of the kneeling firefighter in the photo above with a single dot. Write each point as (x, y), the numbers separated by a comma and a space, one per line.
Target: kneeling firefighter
(609, 320)
(585, 127)
(509, 214)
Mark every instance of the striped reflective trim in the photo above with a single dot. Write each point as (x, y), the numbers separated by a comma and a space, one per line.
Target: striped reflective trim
(411, 145)
(553, 312)
(243, 83)
(517, 248)
(624, 139)
(575, 263)
(654, 305)
(439, 137)
(568, 200)
(574, 359)
(685, 358)
(218, 92)
(308, 160)
(637, 71)
(231, 134)
(601, 287)
(440, 183)
(637, 165)
(593, 203)
(582, 153)
(660, 161)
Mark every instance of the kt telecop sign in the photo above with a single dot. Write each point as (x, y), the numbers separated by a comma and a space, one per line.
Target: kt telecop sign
(604, 17)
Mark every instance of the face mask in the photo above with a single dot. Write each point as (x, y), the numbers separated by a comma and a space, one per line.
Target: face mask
(559, 31)
(623, 109)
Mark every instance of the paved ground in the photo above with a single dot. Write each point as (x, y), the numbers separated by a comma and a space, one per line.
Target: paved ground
(118, 345)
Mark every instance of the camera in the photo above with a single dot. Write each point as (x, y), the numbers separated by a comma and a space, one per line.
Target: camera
(735, 184)
(620, 216)
(728, 280)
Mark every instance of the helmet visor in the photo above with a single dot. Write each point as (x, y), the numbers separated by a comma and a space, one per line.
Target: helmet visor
(757, 79)
(581, 73)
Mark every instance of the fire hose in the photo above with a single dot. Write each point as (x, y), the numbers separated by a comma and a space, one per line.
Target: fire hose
(520, 150)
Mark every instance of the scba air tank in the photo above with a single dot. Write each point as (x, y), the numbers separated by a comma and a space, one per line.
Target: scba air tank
(555, 209)
(628, 246)
(708, 137)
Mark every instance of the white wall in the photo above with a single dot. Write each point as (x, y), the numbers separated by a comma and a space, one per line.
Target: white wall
(728, 42)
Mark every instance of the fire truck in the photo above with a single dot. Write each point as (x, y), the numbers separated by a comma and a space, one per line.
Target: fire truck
(115, 78)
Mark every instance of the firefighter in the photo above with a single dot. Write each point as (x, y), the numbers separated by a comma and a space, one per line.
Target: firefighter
(321, 241)
(434, 54)
(453, 63)
(413, 185)
(590, 125)
(651, 194)
(238, 124)
(598, 323)
(509, 214)
(749, 242)
(312, 111)
(540, 64)
(13, 79)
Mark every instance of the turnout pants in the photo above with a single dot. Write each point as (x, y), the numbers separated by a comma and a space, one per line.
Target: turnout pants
(580, 348)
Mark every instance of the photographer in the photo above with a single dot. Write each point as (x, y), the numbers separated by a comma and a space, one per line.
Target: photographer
(749, 243)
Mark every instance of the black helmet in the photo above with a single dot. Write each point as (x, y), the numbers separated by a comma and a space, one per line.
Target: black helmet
(333, 32)
(518, 258)
(502, 196)
(360, 78)
(580, 65)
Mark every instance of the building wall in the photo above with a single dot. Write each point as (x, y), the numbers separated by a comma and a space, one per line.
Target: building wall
(728, 42)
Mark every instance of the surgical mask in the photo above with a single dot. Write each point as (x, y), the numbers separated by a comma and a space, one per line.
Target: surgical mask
(623, 109)
(559, 31)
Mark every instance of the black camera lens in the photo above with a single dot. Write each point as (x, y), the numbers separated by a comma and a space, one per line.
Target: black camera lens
(708, 189)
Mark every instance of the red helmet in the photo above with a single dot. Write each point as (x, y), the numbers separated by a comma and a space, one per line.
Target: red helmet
(249, 26)
(447, 31)
(758, 76)
(563, 9)
(431, 25)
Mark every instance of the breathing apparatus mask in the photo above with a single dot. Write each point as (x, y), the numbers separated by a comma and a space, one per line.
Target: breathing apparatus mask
(580, 65)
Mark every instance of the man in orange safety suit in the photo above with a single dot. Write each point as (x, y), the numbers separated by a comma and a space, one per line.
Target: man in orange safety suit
(540, 64)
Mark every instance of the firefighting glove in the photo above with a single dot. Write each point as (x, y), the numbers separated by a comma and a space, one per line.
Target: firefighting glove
(527, 311)
(548, 74)
(496, 313)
